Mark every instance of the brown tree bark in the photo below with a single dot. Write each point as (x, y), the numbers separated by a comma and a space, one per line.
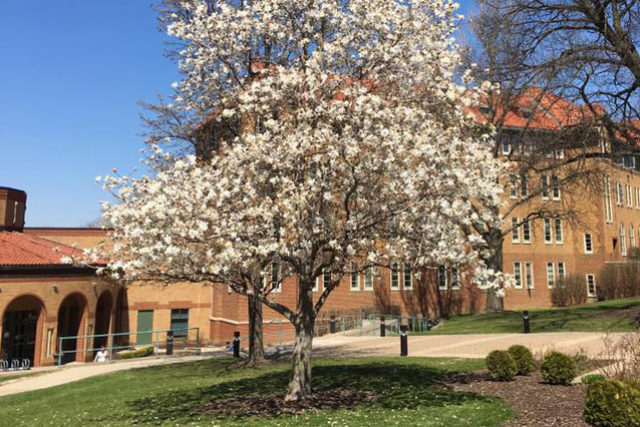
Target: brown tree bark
(300, 382)
(256, 345)
(495, 240)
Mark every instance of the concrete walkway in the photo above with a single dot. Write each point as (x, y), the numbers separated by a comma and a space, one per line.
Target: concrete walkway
(75, 372)
(468, 346)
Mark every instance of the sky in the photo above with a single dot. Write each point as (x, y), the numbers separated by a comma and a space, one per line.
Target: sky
(72, 73)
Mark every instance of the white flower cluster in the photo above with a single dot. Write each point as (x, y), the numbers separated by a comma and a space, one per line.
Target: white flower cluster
(363, 147)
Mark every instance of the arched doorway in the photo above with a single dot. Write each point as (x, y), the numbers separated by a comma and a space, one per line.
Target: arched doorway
(71, 318)
(122, 319)
(22, 329)
(103, 319)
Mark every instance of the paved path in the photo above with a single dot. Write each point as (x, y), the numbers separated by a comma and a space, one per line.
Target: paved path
(468, 346)
(71, 373)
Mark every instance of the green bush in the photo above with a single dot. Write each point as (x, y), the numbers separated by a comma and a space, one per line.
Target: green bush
(558, 368)
(501, 365)
(139, 352)
(612, 403)
(524, 359)
(592, 378)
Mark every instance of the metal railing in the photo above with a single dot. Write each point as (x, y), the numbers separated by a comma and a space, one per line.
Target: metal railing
(120, 341)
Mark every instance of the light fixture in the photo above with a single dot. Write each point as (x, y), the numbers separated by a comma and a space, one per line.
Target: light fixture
(55, 288)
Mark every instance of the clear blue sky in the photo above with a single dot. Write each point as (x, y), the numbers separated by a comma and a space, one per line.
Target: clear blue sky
(71, 75)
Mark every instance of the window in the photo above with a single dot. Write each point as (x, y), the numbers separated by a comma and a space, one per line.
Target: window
(515, 232)
(551, 275)
(517, 274)
(368, 278)
(559, 154)
(629, 203)
(179, 322)
(274, 277)
(619, 194)
(632, 236)
(355, 277)
(588, 244)
(591, 285)
(558, 230)
(623, 241)
(555, 186)
(547, 230)
(629, 162)
(562, 272)
(15, 213)
(528, 274)
(395, 276)
(326, 278)
(442, 278)
(524, 185)
(455, 283)
(526, 231)
(513, 179)
(506, 145)
(544, 179)
(407, 276)
(607, 201)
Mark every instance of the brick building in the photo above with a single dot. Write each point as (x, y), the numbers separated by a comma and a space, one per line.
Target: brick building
(41, 298)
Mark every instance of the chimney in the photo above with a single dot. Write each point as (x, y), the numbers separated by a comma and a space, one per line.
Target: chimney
(13, 204)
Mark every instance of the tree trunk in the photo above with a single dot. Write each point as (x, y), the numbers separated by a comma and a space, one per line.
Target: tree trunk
(495, 303)
(300, 382)
(256, 348)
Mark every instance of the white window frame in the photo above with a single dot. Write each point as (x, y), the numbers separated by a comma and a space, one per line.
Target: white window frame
(619, 194)
(269, 278)
(544, 180)
(548, 237)
(443, 282)
(369, 271)
(629, 201)
(528, 274)
(588, 243)
(394, 273)
(608, 211)
(517, 274)
(555, 187)
(515, 231)
(355, 273)
(407, 267)
(632, 236)
(506, 143)
(623, 240)
(513, 181)
(562, 270)
(558, 232)
(455, 278)
(526, 230)
(524, 185)
(325, 273)
(590, 293)
(551, 275)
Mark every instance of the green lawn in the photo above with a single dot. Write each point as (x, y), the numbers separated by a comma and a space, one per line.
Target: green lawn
(409, 395)
(607, 316)
(11, 377)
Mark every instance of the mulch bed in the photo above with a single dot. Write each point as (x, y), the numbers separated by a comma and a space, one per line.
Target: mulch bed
(537, 403)
(275, 405)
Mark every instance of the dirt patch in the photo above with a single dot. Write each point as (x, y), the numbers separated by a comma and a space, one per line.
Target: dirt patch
(537, 403)
(272, 405)
(623, 313)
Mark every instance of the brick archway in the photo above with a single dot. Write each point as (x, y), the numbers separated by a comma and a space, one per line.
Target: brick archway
(104, 309)
(72, 319)
(22, 328)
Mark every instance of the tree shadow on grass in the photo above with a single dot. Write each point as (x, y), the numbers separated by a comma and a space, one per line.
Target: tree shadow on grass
(398, 386)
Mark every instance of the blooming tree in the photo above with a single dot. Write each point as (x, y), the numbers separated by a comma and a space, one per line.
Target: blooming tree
(350, 142)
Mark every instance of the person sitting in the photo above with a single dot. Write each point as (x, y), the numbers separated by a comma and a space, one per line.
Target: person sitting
(101, 355)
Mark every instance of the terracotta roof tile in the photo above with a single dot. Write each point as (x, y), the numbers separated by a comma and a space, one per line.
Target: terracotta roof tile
(23, 249)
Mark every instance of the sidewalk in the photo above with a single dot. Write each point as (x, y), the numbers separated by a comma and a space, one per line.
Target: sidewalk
(76, 372)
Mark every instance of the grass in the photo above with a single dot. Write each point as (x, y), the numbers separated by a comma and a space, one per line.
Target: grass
(607, 316)
(166, 395)
(11, 377)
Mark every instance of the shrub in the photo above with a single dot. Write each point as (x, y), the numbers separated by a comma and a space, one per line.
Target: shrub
(558, 368)
(524, 359)
(570, 290)
(139, 352)
(501, 365)
(613, 403)
(592, 378)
